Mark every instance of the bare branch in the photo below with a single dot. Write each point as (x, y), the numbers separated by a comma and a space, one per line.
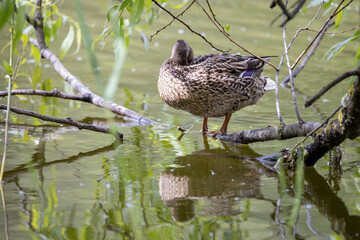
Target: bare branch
(187, 26)
(270, 133)
(277, 98)
(67, 120)
(84, 91)
(291, 75)
(38, 25)
(336, 11)
(214, 16)
(289, 15)
(167, 25)
(231, 40)
(53, 93)
(331, 84)
(308, 55)
(324, 32)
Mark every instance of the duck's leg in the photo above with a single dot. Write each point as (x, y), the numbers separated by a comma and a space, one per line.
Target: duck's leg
(223, 128)
(205, 126)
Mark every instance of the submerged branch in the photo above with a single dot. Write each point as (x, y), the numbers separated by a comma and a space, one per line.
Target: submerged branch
(270, 133)
(67, 120)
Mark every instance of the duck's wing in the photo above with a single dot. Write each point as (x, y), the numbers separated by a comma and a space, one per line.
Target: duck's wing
(200, 59)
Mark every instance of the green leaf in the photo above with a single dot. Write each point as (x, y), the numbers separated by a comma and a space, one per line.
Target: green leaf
(111, 12)
(6, 9)
(357, 57)
(135, 18)
(35, 52)
(46, 85)
(8, 69)
(78, 37)
(227, 27)
(20, 24)
(337, 48)
(36, 77)
(120, 55)
(148, 4)
(25, 40)
(179, 5)
(338, 19)
(47, 34)
(124, 4)
(66, 44)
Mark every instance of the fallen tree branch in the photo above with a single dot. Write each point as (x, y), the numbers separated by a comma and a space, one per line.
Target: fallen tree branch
(270, 133)
(84, 91)
(331, 84)
(67, 120)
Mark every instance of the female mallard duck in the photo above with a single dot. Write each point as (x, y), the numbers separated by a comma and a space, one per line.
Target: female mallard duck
(211, 85)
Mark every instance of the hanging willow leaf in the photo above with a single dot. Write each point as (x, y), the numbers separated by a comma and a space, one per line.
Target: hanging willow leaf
(36, 77)
(6, 8)
(8, 69)
(337, 48)
(66, 44)
(339, 18)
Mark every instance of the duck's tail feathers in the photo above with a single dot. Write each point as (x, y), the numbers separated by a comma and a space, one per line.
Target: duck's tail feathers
(270, 84)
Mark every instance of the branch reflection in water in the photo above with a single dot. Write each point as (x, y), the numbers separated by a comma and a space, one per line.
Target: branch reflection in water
(220, 179)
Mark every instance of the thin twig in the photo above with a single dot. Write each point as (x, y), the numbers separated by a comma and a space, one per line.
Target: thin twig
(285, 10)
(320, 31)
(331, 84)
(214, 16)
(308, 55)
(307, 26)
(6, 137)
(67, 120)
(324, 32)
(312, 132)
(233, 41)
(167, 25)
(187, 26)
(277, 98)
(291, 76)
(273, 4)
(6, 220)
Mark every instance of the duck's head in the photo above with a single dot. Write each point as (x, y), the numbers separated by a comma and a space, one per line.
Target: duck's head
(182, 53)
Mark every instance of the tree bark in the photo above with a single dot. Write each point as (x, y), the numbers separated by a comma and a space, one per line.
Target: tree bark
(270, 133)
(347, 125)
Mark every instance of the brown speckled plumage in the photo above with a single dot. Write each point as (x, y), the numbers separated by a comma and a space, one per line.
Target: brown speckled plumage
(211, 85)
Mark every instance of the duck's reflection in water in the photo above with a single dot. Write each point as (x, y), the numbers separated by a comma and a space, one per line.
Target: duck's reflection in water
(217, 175)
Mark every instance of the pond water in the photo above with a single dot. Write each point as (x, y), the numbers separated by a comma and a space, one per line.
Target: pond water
(63, 183)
